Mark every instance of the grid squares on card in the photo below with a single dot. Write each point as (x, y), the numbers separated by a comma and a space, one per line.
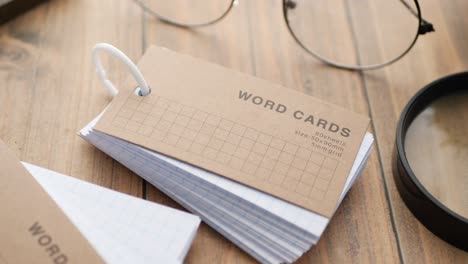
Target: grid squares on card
(255, 153)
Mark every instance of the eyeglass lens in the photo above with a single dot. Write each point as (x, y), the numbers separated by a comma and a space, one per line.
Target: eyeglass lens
(187, 12)
(363, 32)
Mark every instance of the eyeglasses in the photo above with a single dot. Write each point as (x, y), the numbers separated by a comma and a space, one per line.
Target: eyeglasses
(353, 35)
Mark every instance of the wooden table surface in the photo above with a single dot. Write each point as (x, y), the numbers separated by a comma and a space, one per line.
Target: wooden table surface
(49, 90)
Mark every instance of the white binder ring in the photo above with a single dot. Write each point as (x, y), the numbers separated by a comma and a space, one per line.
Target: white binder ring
(142, 84)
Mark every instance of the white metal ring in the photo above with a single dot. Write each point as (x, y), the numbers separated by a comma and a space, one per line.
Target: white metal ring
(142, 84)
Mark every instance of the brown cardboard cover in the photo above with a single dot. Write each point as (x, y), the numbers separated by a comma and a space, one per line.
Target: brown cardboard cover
(33, 229)
(274, 139)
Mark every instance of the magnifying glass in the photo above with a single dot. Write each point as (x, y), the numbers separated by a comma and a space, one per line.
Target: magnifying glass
(431, 158)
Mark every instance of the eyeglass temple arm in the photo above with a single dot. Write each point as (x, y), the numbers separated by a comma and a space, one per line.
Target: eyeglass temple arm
(425, 26)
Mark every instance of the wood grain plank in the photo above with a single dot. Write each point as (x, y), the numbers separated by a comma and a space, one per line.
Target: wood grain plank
(18, 58)
(389, 89)
(253, 39)
(52, 89)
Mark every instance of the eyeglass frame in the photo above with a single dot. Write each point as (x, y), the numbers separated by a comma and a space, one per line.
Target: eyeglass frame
(423, 27)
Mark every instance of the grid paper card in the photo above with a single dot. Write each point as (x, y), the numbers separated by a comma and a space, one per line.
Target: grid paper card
(282, 142)
(33, 228)
(121, 228)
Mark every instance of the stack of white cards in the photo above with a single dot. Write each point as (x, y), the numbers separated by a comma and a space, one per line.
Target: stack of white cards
(270, 229)
(121, 228)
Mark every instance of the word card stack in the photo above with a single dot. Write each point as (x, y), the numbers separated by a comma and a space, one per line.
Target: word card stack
(263, 165)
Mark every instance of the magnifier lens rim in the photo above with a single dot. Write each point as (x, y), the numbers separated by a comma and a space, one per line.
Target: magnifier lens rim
(403, 174)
